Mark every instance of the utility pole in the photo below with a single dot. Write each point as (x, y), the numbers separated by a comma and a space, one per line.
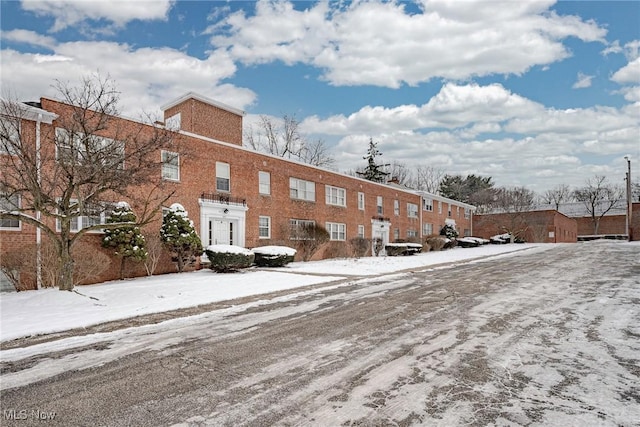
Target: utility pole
(629, 201)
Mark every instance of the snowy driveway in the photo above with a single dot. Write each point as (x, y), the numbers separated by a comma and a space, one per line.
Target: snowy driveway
(538, 338)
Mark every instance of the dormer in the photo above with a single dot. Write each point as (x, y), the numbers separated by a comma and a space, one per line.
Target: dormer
(206, 117)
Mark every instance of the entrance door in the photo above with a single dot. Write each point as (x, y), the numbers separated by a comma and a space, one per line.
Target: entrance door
(220, 232)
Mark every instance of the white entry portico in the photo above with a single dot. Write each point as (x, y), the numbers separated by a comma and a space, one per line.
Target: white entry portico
(380, 230)
(222, 222)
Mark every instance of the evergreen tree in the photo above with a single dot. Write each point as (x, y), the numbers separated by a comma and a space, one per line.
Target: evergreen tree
(126, 240)
(373, 171)
(179, 236)
(449, 231)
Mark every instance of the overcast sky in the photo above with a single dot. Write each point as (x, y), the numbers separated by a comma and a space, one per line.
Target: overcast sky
(531, 93)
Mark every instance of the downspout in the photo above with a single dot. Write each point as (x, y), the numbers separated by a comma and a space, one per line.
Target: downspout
(38, 215)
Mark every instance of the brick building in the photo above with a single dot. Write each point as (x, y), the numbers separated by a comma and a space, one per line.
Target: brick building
(544, 226)
(237, 196)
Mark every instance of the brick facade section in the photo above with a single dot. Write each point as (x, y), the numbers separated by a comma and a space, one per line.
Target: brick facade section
(612, 224)
(198, 157)
(547, 226)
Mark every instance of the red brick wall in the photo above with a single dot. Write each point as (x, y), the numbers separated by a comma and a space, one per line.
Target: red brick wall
(612, 224)
(209, 121)
(537, 226)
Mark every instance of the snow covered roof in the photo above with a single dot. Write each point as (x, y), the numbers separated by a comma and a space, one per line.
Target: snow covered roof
(201, 98)
(26, 111)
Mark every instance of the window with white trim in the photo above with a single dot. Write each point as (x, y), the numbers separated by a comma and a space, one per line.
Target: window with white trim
(9, 128)
(396, 207)
(264, 227)
(427, 229)
(9, 203)
(302, 190)
(449, 210)
(412, 210)
(337, 231)
(458, 211)
(412, 233)
(439, 207)
(467, 213)
(223, 177)
(361, 201)
(299, 229)
(361, 231)
(379, 205)
(264, 182)
(75, 147)
(93, 215)
(170, 165)
(396, 233)
(335, 195)
(427, 205)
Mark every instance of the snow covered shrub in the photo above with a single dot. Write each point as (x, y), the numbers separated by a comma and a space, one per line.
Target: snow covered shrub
(449, 232)
(126, 240)
(228, 258)
(273, 256)
(179, 237)
(359, 246)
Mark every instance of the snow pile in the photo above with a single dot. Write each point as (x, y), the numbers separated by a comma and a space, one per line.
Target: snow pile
(229, 249)
(274, 250)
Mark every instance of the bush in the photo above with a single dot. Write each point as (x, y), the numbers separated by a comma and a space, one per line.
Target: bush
(228, 258)
(403, 248)
(273, 256)
(436, 242)
(360, 246)
(309, 238)
(449, 232)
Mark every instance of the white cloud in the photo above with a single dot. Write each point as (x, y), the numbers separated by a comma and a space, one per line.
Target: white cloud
(488, 130)
(71, 12)
(381, 43)
(630, 73)
(583, 81)
(147, 78)
(28, 37)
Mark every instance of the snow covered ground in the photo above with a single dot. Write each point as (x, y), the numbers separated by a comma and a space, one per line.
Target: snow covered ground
(49, 310)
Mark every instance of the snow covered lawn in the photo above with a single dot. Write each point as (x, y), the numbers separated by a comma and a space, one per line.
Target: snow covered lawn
(49, 310)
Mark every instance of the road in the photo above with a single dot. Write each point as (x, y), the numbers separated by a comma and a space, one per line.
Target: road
(544, 337)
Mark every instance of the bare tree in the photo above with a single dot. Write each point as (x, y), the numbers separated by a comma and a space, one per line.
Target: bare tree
(514, 202)
(427, 178)
(598, 198)
(401, 172)
(558, 195)
(283, 139)
(85, 162)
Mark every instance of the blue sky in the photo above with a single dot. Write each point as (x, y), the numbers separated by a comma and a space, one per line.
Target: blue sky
(530, 93)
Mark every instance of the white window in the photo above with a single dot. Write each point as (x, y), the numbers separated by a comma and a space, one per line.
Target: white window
(467, 213)
(9, 129)
(93, 215)
(412, 210)
(264, 227)
(264, 182)
(396, 233)
(89, 149)
(299, 229)
(170, 165)
(379, 205)
(449, 210)
(337, 231)
(427, 205)
(173, 122)
(361, 201)
(223, 177)
(396, 207)
(412, 233)
(302, 190)
(335, 196)
(427, 229)
(9, 203)
(361, 231)
(458, 211)
(439, 207)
